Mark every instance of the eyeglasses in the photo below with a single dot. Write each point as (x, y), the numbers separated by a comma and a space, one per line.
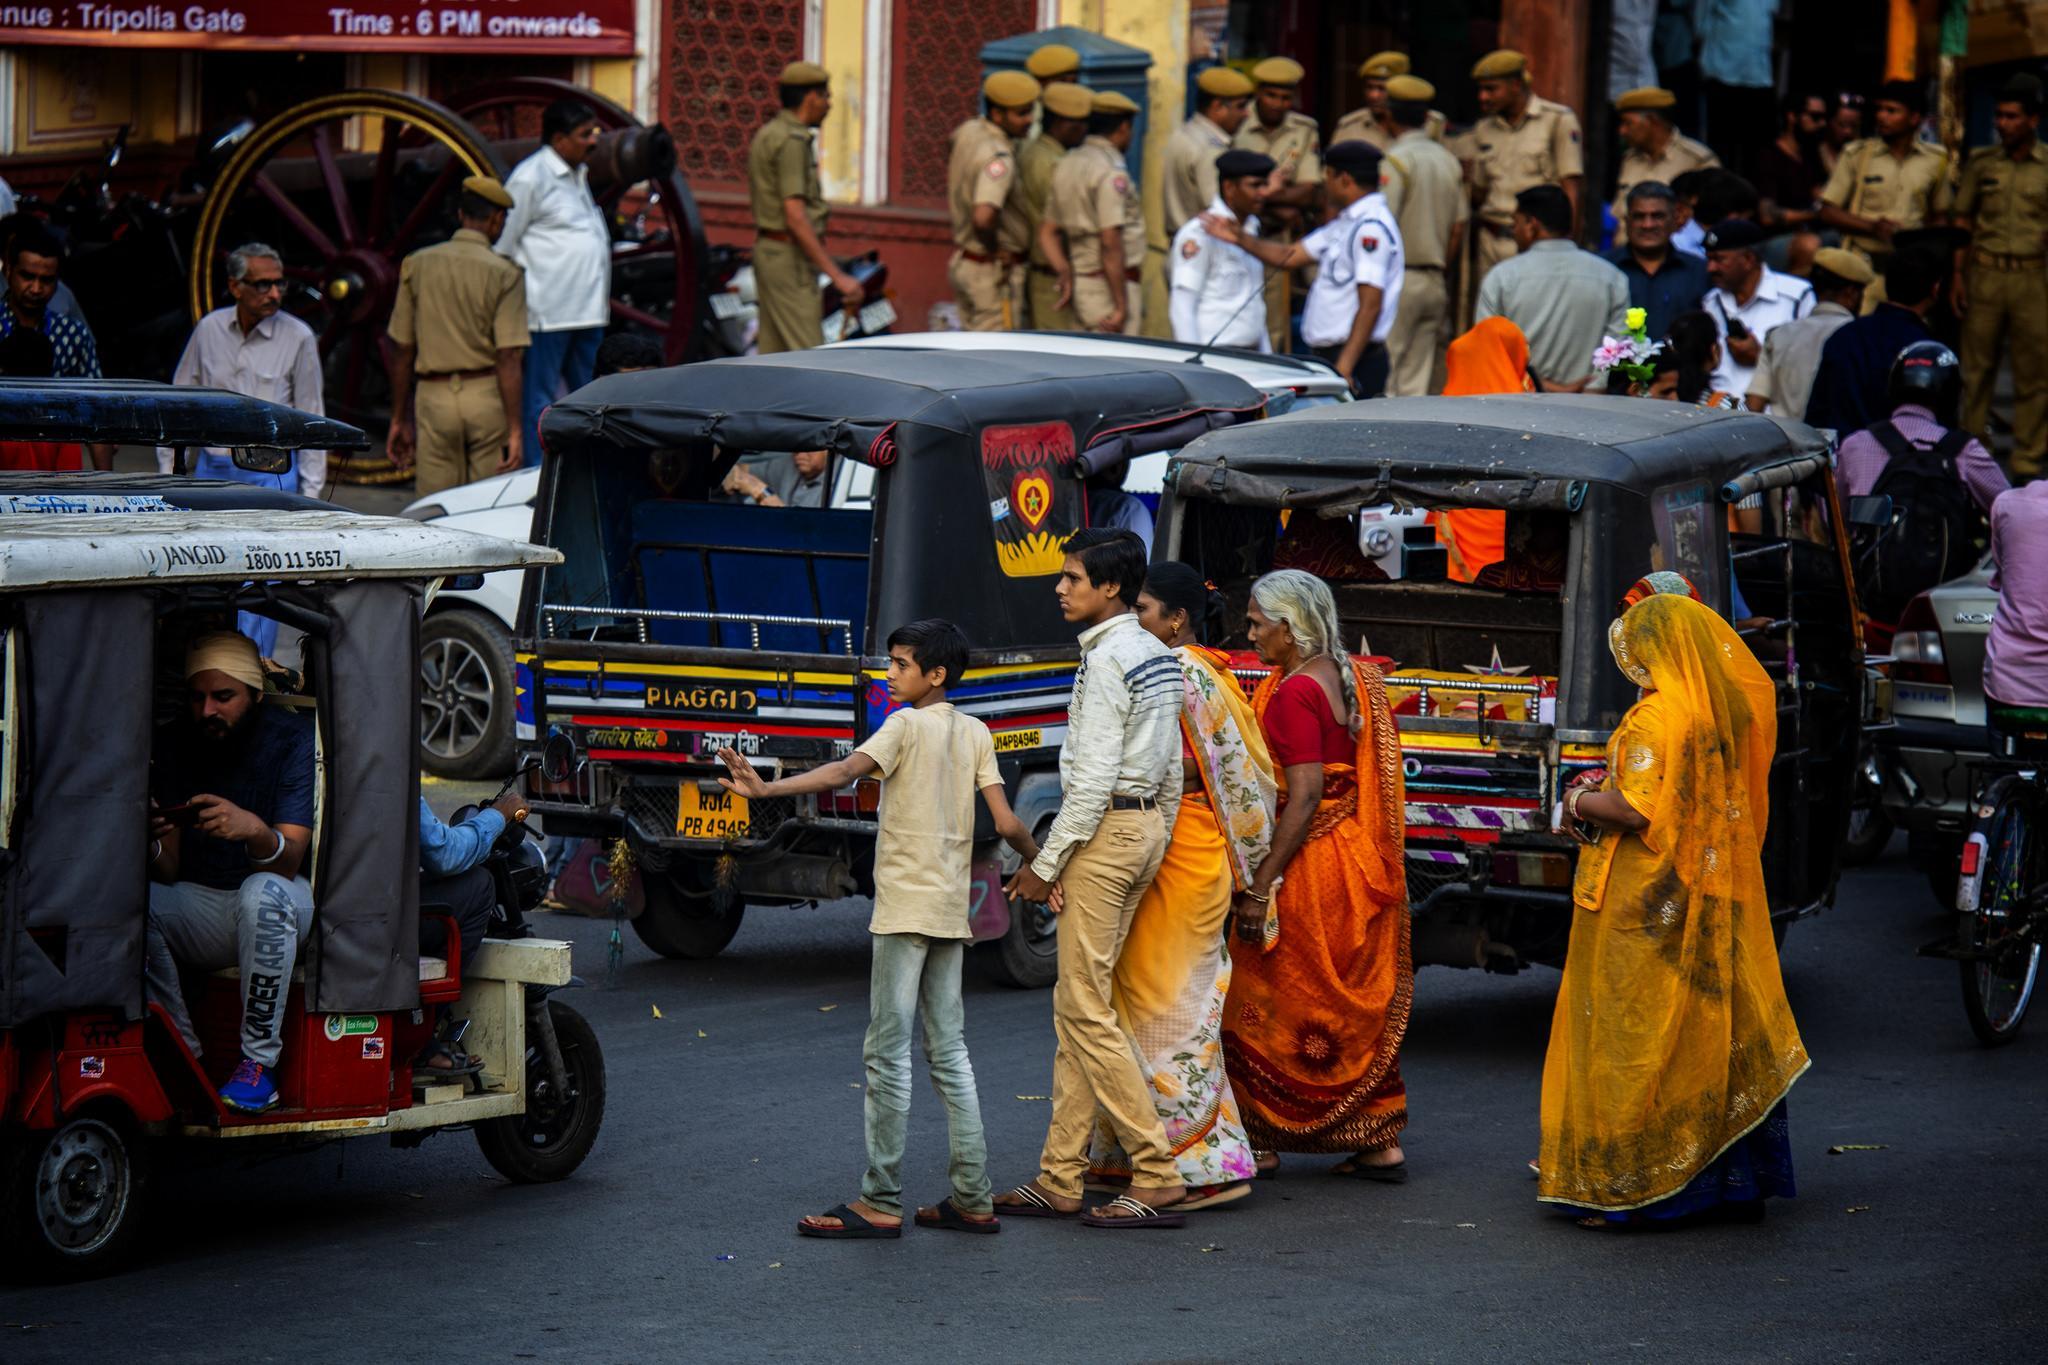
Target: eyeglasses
(262, 286)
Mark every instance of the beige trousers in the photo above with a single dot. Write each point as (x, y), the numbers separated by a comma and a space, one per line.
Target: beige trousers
(1095, 1065)
(1417, 339)
(1093, 302)
(2007, 312)
(786, 293)
(1046, 314)
(461, 427)
(1155, 318)
(990, 295)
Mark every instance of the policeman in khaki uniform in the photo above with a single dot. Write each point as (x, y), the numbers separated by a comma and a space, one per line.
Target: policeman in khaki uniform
(1425, 190)
(2002, 276)
(1656, 149)
(458, 324)
(1094, 229)
(789, 217)
(1053, 62)
(1885, 184)
(1187, 175)
(1369, 124)
(1064, 108)
(1290, 138)
(1522, 142)
(990, 233)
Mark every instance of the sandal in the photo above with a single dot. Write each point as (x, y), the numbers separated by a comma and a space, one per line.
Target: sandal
(1396, 1174)
(851, 1226)
(1210, 1196)
(461, 1066)
(1030, 1202)
(1135, 1213)
(946, 1214)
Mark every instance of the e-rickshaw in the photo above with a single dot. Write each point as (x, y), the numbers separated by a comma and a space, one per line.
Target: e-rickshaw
(103, 578)
(1503, 687)
(680, 622)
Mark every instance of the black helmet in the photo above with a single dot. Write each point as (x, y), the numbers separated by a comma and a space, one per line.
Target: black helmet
(1926, 373)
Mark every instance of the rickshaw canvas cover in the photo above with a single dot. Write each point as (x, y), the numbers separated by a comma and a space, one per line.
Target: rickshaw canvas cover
(1034, 503)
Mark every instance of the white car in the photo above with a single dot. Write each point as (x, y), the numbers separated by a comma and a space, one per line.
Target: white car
(466, 667)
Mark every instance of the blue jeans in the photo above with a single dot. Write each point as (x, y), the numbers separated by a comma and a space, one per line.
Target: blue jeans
(556, 363)
(913, 972)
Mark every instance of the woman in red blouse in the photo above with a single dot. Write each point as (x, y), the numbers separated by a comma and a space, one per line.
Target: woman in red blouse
(1322, 980)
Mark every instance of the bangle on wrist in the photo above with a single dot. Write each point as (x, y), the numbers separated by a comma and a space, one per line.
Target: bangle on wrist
(156, 849)
(275, 853)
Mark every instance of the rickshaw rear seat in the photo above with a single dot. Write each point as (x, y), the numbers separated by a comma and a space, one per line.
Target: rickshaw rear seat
(767, 561)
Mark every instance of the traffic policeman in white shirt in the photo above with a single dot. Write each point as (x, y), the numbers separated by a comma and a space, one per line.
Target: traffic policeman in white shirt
(1357, 291)
(1219, 289)
(557, 234)
(1748, 302)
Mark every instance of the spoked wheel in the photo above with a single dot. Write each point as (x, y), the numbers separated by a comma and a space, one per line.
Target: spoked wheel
(73, 1196)
(552, 1137)
(658, 250)
(2002, 937)
(345, 186)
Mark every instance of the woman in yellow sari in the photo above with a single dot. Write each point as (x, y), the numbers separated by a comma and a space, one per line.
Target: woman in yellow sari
(1173, 974)
(1322, 978)
(1673, 1046)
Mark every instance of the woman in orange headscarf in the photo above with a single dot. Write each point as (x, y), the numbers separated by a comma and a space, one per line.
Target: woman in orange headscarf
(1491, 358)
(1672, 1046)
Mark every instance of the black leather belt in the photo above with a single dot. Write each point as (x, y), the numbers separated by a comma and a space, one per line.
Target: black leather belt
(1133, 803)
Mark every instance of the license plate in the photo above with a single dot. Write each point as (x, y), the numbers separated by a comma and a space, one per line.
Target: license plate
(727, 306)
(713, 814)
(877, 315)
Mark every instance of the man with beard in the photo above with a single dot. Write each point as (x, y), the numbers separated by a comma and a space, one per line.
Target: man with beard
(231, 824)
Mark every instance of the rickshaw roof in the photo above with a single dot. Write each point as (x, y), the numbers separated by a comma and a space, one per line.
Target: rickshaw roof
(1631, 443)
(842, 399)
(143, 412)
(114, 549)
(76, 491)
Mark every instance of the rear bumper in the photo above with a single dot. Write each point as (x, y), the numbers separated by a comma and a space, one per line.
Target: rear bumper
(1930, 770)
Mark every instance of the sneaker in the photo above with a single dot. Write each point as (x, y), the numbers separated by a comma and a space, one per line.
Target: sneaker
(250, 1090)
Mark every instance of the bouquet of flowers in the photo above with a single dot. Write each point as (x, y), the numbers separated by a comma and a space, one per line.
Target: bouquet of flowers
(1630, 354)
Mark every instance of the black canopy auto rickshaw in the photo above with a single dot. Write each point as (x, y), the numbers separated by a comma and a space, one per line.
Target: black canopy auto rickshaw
(1503, 686)
(684, 620)
(103, 581)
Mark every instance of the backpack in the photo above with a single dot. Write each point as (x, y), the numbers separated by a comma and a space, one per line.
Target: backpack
(1936, 531)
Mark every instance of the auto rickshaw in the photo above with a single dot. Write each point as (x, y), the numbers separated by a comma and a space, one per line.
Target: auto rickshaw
(103, 578)
(1503, 686)
(684, 620)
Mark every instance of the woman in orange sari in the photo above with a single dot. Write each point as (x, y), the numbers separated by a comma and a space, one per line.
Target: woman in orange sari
(1673, 1046)
(1491, 358)
(1322, 979)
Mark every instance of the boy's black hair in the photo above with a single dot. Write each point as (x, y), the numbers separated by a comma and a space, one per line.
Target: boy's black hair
(934, 643)
(1110, 556)
(626, 351)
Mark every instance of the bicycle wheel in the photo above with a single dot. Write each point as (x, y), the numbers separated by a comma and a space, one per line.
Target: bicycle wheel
(1996, 925)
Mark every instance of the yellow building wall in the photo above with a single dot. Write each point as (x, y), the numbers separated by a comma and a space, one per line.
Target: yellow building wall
(842, 51)
(1161, 28)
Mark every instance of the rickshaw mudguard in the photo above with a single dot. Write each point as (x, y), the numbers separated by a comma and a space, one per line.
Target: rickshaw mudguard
(96, 1058)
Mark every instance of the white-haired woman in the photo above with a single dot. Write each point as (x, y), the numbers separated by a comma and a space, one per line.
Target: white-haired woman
(1322, 979)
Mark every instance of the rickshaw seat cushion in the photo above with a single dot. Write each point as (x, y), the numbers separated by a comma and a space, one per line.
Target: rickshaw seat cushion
(744, 560)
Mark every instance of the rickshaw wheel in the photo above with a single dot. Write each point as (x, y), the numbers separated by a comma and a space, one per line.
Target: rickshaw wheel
(73, 1197)
(1027, 955)
(688, 916)
(550, 1140)
(344, 219)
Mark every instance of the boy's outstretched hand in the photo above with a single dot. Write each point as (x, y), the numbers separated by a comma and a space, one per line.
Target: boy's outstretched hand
(1028, 885)
(744, 780)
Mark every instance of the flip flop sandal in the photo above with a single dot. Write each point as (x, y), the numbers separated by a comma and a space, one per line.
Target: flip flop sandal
(852, 1226)
(946, 1214)
(1535, 1171)
(461, 1066)
(1271, 1172)
(1135, 1214)
(1210, 1196)
(1396, 1174)
(1033, 1204)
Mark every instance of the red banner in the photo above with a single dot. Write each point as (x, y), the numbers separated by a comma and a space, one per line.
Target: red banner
(581, 28)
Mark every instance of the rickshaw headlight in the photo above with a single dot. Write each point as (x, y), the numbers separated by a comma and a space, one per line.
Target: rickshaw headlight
(558, 758)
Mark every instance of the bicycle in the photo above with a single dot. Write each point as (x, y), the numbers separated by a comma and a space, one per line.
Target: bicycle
(2002, 886)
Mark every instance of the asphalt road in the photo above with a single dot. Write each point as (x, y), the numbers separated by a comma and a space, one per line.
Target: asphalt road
(739, 1109)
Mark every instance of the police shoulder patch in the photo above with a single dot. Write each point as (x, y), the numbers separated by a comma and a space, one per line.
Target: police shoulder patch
(997, 169)
(1368, 241)
(1120, 183)
(1190, 248)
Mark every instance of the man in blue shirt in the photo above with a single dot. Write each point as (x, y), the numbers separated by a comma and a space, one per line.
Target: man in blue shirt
(454, 882)
(1849, 386)
(1662, 280)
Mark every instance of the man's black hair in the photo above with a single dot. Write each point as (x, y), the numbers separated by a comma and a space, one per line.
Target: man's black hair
(1686, 184)
(792, 96)
(1408, 113)
(26, 354)
(1108, 556)
(627, 351)
(934, 643)
(1652, 189)
(1911, 94)
(475, 207)
(1911, 276)
(564, 116)
(1548, 205)
(32, 237)
(1107, 122)
(1723, 195)
(1795, 102)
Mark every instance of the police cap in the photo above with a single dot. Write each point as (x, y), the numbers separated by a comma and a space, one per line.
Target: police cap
(1064, 99)
(1410, 89)
(1011, 89)
(1278, 71)
(804, 73)
(488, 189)
(1843, 264)
(1651, 98)
(1499, 65)
(1053, 59)
(1238, 161)
(1383, 65)
(1359, 160)
(1223, 82)
(1111, 102)
(1734, 234)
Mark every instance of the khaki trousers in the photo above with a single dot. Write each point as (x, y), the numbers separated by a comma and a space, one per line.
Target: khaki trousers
(1491, 248)
(461, 426)
(1279, 292)
(990, 294)
(1093, 302)
(2007, 314)
(786, 293)
(1096, 1064)
(1046, 314)
(1155, 319)
(1416, 340)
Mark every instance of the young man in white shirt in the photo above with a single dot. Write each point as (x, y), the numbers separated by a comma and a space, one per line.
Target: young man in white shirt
(1357, 290)
(1749, 300)
(1219, 289)
(557, 234)
(1120, 771)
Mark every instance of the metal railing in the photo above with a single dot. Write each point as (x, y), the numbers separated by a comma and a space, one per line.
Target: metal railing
(752, 621)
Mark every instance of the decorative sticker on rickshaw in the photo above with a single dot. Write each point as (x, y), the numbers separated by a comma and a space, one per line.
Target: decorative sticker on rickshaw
(1684, 533)
(1034, 502)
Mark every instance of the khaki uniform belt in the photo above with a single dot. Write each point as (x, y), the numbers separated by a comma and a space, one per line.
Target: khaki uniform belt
(454, 374)
(1998, 260)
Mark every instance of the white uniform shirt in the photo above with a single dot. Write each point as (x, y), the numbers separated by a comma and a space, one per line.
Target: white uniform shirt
(1219, 290)
(557, 233)
(1778, 298)
(1359, 246)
